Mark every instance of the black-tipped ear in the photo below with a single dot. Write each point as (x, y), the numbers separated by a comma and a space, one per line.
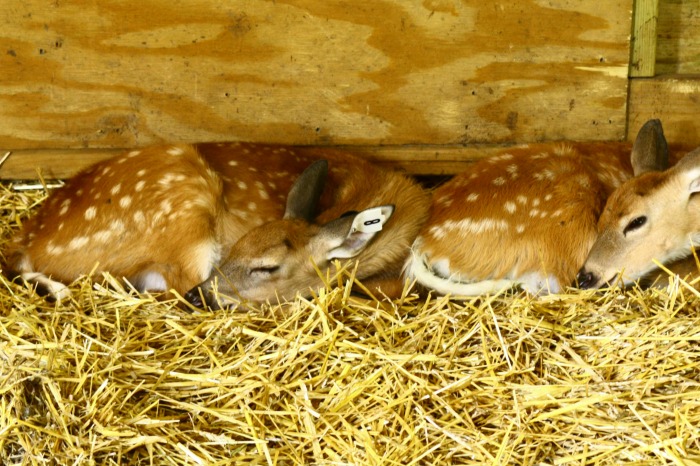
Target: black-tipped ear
(650, 151)
(306, 192)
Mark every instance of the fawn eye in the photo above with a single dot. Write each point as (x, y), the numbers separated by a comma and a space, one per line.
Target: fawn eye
(634, 224)
(264, 271)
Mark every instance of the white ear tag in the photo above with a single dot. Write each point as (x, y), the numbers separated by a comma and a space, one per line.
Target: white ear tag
(369, 221)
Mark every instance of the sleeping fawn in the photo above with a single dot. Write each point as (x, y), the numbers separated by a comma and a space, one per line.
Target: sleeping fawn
(524, 218)
(253, 221)
(654, 216)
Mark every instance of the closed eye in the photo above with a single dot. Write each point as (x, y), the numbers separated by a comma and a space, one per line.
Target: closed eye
(634, 224)
(268, 270)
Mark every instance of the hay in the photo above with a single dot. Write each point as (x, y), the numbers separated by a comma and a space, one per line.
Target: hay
(580, 378)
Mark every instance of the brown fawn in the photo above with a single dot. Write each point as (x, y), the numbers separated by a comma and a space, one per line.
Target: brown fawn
(654, 216)
(527, 217)
(257, 222)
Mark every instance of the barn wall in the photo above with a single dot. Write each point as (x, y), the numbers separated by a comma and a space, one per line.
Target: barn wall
(90, 74)
(434, 82)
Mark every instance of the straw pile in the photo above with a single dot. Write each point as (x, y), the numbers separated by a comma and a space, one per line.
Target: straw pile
(115, 378)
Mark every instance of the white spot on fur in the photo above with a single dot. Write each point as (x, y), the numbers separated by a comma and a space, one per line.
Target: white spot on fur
(232, 163)
(102, 236)
(90, 213)
(252, 206)
(63, 210)
(139, 186)
(78, 243)
(106, 170)
(519, 228)
(473, 197)
(139, 218)
(141, 172)
(263, 194)
(117, 227)
(500, 181)
(522, 200)
(536, 202)
(133, 153)
(469, 226)
(115, 190)
(534, 213)
(509, 207)
(548, 197)
(175, 151)
(125, 202)
(545, 174)
(242, 185)
(166, 206)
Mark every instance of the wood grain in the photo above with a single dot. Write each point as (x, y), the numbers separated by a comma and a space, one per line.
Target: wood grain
(678, 43)
(675, 100)
(89, 74)
(644, 35)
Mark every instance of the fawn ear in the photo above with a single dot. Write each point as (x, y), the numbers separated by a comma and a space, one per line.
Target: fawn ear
(650, 151)
(347, 236)
(689, 170)
(306, 192)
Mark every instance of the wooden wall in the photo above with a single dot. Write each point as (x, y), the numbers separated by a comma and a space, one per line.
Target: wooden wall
(670, 88)
(422, 84)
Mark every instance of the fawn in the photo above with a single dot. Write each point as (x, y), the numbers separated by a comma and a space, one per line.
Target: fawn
(180, 217)
(527, 217)
(655, 215)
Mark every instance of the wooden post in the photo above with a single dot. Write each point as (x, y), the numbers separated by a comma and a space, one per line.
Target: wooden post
(643, 55)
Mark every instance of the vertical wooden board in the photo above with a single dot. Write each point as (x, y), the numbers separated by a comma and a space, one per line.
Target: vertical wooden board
(644, 35)
(90, 74)
(674, 100)
(678, 43)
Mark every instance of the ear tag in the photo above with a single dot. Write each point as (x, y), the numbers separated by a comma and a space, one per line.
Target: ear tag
(369, 221)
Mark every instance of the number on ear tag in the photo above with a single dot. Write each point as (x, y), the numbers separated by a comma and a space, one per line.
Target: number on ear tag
(369, 221)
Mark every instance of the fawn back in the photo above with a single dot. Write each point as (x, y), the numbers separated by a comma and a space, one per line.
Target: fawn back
(167, 217)
(527, 217)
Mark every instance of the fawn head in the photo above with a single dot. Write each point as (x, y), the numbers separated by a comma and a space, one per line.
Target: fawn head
(653, 216)
(279, 258)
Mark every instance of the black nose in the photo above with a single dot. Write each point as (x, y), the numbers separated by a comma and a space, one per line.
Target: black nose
(585, 280)
(194, 297)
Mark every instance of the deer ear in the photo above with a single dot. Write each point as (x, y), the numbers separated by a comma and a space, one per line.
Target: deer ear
(347, 236)
(650, 151)
(688, 168)
(306, 192)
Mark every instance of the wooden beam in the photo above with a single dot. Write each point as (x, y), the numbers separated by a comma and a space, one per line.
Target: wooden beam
(414, 160)
(643, 59)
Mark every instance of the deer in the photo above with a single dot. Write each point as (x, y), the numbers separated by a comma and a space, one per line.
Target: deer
(222, 223)
(526, 217)
(653, 218)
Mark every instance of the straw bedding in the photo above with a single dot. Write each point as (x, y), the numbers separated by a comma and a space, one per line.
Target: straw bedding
(117, 378)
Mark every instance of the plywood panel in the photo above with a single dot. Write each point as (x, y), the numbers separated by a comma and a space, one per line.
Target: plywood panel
(92, 74)
(674, 100)
(678, 42)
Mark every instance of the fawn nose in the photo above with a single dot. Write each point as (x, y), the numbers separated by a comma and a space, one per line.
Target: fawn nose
(196, 297)
(585, 280)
